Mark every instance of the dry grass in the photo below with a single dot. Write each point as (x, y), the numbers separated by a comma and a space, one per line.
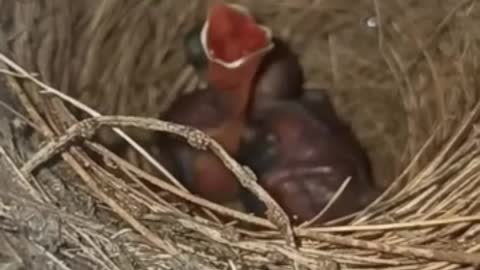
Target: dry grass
(403, 72)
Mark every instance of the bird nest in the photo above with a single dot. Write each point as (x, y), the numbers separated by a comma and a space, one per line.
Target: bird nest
(403, 73)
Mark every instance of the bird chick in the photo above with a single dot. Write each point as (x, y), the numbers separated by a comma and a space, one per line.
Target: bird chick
(302, 152)
(234, 46)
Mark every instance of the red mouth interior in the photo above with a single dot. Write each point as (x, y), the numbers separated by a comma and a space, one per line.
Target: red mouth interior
(233, 35)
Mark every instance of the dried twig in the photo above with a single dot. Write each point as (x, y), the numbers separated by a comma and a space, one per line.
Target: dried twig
(196, 138)
(337, 194)
(397, 226)
(50, 90)
(180, 193)
(431, 254)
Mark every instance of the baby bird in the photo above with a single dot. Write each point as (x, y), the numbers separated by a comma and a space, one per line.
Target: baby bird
(234, 46)
(302, 152)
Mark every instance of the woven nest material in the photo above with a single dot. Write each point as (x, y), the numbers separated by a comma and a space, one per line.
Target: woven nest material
(404, 73)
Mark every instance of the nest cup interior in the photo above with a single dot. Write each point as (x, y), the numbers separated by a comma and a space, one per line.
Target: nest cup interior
(135, 70)
(138, 68)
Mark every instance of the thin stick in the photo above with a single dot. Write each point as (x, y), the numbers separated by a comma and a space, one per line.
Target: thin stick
(196, 138)
(52, 257)
(92, 112)
(148, 234)
(431, 254)
(397, 226)
(19, 115)
(337, 194)
(180, 193)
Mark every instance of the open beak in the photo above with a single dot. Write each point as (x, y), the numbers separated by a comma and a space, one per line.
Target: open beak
(237, 63)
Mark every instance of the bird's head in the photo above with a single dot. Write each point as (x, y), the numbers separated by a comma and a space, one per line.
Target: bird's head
(234, 44)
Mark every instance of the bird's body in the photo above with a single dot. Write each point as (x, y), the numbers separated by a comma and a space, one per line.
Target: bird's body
(302, 157)
(234, 46)
(204, 110)
(300, 149)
